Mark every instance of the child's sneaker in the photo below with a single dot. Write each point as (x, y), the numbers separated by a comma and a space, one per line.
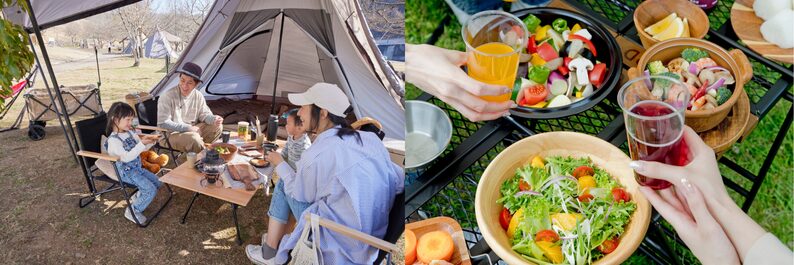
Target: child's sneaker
(128, 214)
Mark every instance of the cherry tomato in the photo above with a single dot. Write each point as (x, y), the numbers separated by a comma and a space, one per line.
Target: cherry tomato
(547, 235)
(535, 94)
(563, 70)
(582, 171)
(504, 218)
(619, 194)
(609, 245)
(524, 186)
(585, 197)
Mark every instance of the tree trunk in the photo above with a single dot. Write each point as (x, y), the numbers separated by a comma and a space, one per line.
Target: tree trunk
(136, 51)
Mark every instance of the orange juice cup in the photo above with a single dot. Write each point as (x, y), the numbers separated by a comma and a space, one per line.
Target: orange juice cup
(494, 42)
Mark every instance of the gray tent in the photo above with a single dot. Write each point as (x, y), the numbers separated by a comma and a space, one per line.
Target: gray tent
(157, 45)
(267, 49)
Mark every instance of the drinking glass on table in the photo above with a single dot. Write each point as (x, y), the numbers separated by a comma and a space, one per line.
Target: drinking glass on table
(653, 111)
(494, 42)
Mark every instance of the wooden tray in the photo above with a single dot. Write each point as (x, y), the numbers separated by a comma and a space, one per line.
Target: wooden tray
(244, 173)
(461, 254)
(748, 27)
(736, 125)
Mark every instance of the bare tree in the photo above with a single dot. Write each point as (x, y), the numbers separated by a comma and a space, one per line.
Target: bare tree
(137, 19)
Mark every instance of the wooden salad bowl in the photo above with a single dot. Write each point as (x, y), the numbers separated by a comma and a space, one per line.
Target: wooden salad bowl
(603, 154)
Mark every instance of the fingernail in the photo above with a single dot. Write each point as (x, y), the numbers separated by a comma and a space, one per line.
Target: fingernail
(506, 90)
(513, 105)
(635, 165)
(507, 114)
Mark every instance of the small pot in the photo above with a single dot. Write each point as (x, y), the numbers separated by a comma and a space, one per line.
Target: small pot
(651, 11)
(431, 126)
(735, 61)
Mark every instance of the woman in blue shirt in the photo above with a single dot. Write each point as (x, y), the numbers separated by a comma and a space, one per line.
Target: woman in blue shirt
(346, 176)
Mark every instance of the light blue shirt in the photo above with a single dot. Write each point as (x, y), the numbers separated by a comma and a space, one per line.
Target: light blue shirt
(347, 182)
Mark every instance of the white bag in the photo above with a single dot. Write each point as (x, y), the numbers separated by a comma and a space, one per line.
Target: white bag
(307, 252)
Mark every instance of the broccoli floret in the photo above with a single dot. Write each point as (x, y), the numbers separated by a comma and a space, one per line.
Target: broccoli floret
(693, 54)
(723, 94)
(664, 83)
(656, 67)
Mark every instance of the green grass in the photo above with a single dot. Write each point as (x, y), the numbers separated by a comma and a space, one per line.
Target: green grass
(773, 207)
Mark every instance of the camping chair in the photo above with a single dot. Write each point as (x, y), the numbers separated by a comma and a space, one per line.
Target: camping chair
(101, 167)
(387, 245)
(147, 120)
(368, 124)
(15, 92)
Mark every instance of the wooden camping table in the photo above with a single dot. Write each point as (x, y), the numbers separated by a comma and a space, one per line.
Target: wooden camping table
(187, 177)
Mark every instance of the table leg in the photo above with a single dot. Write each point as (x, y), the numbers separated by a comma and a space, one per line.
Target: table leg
(236, 225)
(195, 195)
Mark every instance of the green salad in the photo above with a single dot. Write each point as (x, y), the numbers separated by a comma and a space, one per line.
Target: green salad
(563, 210)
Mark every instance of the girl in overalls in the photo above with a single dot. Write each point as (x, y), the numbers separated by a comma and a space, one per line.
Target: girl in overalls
(125, 144)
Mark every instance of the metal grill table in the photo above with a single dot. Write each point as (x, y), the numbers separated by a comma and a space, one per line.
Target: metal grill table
(447, 187)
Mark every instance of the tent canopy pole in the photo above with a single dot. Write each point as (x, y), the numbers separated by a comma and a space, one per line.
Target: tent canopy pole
(69, 134)
(278, 63)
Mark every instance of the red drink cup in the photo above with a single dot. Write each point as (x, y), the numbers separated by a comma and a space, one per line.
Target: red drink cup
(653, 110)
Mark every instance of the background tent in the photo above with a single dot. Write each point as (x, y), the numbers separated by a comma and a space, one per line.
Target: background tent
(161, 44)
(264, 50)
(157, 45)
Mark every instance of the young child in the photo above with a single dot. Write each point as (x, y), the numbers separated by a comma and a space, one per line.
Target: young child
(297, 139)
(125, 144)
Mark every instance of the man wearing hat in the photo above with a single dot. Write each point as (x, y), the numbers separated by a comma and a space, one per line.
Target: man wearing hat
(184, 111)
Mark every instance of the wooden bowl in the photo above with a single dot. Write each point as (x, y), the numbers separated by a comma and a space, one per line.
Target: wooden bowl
(603, 154)
(460, 256)
(226, 157)
(651, 11)
(735, 61)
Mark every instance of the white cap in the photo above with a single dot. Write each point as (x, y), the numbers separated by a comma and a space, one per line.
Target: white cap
(326, 96)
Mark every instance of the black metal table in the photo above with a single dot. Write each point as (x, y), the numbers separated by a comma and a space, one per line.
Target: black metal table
(448, 186)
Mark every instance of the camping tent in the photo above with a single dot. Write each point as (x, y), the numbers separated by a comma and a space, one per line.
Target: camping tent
(157, 45)
(267, 49)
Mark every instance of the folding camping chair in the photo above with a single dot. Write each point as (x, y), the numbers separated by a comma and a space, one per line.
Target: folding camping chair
(101, 167)
(368, 124)
(386, 245)
(147, 120)
(16, 90)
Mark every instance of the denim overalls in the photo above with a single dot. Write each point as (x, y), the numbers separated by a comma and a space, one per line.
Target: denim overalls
(132, 173)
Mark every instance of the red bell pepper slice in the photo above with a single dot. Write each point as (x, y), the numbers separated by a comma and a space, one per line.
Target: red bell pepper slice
(563, 70)
(586, 42)
(546, 52)
(532, 47)
(598, 73)
(702, 91)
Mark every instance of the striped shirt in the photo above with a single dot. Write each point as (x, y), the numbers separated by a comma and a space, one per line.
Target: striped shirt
(294, 148)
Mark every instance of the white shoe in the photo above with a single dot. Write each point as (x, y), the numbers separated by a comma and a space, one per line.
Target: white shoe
(141, 218)
(134, 197)
(254, 253)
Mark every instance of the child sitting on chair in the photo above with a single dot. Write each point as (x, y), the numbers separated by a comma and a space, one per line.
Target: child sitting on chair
(297, 139)
(125, 144)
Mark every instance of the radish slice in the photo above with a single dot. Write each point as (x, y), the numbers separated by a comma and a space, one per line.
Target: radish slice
(558, 87)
